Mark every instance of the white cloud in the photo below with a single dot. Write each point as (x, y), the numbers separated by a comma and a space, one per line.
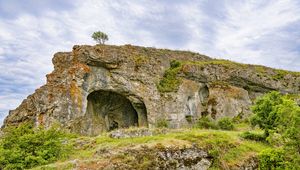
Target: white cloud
(29, 41)
(245, 31)
(252, 32)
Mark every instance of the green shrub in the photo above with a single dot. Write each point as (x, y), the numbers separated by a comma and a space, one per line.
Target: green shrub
(271, 159)
(175, 64)
(279, 117)
(162, 123)
(275, 139)
(226, 123)
(189, 118)
(275, 113)
(289, 124)
(24, 147)
(265, 112)
(206, 123)
(237, 119)
(170, 82)
(253, 136)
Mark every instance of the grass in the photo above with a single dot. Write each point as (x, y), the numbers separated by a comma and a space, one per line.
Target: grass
(225, 63)
(57, 166)
(246, 149)
(170, 81)
(279, 73)
(227, 147)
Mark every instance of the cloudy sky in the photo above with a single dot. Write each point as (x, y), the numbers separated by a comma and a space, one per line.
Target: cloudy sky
(265, 32)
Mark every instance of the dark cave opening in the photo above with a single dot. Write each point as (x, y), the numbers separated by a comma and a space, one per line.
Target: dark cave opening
(110, 110)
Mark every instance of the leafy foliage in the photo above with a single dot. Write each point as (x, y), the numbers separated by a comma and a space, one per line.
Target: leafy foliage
(253, 136)
(206, 123)
(170, 82)
(278, 114)
(175, 64)
(24, 147)
(289, 123)
(226, 123)
(100, 37)
(265, 115)
(162, 123)
(279, 117)
(271, 159)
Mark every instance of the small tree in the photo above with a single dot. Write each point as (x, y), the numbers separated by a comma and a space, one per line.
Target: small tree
(265, 113)
(279, 117)
(100, 37)
(24, 147)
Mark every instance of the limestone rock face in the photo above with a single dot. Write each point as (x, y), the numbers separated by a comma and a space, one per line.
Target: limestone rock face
(228, 101)
(99, 88)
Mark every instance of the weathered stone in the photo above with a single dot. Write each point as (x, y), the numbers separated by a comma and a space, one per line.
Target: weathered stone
(228, 101)
(172, 157)
(136, 132)
(183, 159)
(98, 88)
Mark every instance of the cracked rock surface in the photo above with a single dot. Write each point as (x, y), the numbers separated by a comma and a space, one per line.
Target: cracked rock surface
(93, 89)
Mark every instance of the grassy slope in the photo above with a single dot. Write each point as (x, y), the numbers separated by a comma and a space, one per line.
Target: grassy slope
(229, 149)
(170, 81)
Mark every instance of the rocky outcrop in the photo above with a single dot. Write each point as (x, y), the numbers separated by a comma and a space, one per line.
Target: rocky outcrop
(157, 157)
(98, 88)
(137, 132)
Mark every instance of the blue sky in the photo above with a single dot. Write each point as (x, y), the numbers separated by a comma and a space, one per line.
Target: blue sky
(262, 32)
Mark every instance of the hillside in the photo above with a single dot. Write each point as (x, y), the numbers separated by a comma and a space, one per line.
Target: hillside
(130, 107)
(164, 149)
(94, 89)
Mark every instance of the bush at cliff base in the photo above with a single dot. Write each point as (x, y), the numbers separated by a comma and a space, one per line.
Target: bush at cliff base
(226, 123)
(24, 147)
(279, 117)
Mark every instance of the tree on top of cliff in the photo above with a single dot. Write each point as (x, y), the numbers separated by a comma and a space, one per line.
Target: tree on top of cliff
(100, 37)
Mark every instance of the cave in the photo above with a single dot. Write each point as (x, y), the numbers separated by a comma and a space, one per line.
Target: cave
(109, 110)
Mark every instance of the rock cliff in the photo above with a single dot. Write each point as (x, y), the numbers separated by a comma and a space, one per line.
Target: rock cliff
(99, 88)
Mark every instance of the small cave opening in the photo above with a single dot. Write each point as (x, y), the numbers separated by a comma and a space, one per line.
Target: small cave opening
(108, 110)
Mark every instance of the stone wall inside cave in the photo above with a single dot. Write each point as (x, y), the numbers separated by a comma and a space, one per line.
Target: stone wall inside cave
(111, 110)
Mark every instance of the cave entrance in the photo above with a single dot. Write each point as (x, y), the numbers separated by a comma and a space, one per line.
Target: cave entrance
(110, 110)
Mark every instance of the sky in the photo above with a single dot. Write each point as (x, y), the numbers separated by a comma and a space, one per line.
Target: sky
(264, 32)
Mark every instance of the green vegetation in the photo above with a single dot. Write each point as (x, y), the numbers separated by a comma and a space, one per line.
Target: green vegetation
(226, 123)
(279, 117)
(162, 123)
(280, 74)
(272, 159)
(225, 63)
(23, 147)
(227, 148)
(261, 70)
(276, 145)
(220, 84)
(170, 82)
(275, 113)
(253, 136)
(189, 118)
(265, 112)
(206, 123)
(139, 60)
(100, 37)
